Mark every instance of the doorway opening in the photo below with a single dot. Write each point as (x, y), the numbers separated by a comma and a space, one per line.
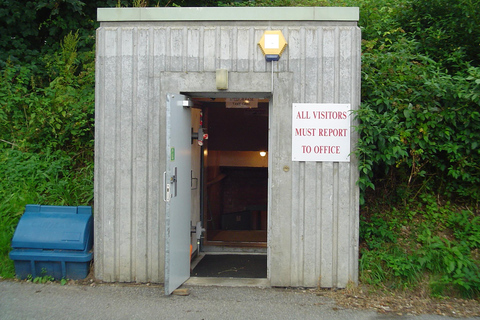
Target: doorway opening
(234, 188)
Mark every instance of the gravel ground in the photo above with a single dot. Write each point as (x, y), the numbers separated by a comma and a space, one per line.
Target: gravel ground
(94, 300)
(403, 303)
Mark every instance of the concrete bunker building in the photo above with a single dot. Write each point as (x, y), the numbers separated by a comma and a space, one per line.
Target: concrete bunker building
(165, 77)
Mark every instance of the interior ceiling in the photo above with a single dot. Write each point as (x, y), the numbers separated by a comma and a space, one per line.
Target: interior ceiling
(235, 129)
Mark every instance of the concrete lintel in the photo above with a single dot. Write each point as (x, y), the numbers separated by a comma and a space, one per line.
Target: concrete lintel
(230, 14)
(258, 83)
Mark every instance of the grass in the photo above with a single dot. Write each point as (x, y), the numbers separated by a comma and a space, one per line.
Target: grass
(31, 178)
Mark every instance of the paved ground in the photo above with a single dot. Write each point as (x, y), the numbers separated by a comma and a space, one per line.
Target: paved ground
(22, 300)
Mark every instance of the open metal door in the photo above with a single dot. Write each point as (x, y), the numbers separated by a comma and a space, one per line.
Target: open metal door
(177, 194)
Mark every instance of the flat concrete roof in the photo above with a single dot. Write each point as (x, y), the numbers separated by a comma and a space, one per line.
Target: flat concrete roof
(229, 14)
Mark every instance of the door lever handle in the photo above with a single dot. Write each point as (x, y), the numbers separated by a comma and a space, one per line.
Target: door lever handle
(175, 180)
(166, 193)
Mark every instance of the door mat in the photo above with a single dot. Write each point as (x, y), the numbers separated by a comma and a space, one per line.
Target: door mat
(232, 266)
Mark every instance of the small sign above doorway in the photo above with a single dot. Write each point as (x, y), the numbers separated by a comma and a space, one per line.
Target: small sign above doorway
(241, 103)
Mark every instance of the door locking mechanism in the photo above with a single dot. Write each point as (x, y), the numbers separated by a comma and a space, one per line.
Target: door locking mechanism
(169, 192)
(198, 230)
(200, 136)
(174, 179)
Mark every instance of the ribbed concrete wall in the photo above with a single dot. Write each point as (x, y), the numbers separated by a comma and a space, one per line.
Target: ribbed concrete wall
(313, 207)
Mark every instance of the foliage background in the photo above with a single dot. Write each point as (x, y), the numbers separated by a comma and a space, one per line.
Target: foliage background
(419, 124)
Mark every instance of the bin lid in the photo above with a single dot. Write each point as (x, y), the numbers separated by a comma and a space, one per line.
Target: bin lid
(54, 227)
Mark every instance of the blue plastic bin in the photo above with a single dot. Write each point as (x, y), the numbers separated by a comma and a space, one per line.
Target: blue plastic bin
(53, 241)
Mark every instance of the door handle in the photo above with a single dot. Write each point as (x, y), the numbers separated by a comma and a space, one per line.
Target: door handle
(175, 180)
(166, 193)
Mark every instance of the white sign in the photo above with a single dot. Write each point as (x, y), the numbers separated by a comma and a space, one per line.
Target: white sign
(321, 132)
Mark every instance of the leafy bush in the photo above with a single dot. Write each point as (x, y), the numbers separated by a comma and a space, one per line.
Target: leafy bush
(31, 29)
(466, 228)
(418, 149)
(452, 265)
(446, 30)
(422, 240)
(46, 130)
(419, 126)
(58, 116)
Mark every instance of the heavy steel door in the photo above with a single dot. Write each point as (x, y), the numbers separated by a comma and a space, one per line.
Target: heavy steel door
(177, 194)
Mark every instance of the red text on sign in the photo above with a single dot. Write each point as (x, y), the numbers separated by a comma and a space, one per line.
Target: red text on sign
(332, 132)
(321, 149)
